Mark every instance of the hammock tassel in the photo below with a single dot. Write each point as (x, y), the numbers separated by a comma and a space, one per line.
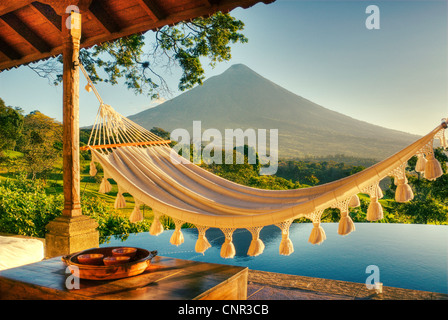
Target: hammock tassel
(404, 192)
(354, 201)
(202, 243)
(120, 202)
(136, 215)
(286, 246)
(375, 210)
(317, 235)
(421, 163)
(379, 192)
(433, 170)
(105, 185)
(256, 245)
(346, 224)
(156, 226)
(92, 170)
(177, 238)
(227, 248)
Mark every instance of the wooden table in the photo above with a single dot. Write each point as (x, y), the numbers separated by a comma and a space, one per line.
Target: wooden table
(169, 279)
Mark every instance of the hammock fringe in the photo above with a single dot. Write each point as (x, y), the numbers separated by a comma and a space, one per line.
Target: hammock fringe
(228, 248)
(433, 169)
(202, 243)
(421, 163)
(346, 224)
(374, 211)
(177, 238)
(93, 171)
(105, 186)
(120, 202)
(404, 192)
(156, 226)
(379, 192)
(256, 247)
(354, 201)
(286, 247)
(136, 215)
(317, 235)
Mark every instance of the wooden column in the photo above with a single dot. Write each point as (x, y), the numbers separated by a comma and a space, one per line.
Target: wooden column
(72, 231)
(71, 42)
(70, 53)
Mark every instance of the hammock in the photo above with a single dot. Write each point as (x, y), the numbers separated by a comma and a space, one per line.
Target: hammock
(146, 167)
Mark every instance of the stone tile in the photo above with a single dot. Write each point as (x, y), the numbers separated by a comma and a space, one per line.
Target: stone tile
(274, 286)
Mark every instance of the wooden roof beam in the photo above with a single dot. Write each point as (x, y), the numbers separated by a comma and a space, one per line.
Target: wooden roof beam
(7, 6)
(25, 32)
(152, 9)
(9, 51)
(48, 13)
(99, 13)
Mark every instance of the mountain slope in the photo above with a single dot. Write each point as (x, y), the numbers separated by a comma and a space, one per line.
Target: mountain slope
(241, 98)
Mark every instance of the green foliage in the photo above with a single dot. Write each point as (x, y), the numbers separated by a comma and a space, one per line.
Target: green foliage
(239, 170)
(11, 120)
(26, 209)
(40, 143)
(313, 173)
(182, 45)
(161, 133)
(110, 221)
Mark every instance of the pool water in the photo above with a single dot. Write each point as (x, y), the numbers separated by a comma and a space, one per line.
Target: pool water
(408, 256)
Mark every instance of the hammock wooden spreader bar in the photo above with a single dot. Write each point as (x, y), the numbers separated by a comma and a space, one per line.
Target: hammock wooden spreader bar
(129, 144)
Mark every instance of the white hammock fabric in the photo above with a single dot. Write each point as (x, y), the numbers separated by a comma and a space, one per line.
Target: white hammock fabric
(157, 176)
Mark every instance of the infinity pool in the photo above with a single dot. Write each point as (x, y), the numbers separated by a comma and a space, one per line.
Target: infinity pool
(408, 256)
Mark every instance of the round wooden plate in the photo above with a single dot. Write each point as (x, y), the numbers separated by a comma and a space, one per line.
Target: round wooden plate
(135, 266)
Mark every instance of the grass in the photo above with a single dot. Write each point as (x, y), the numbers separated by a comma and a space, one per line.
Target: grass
(13, 154)
(89, 186)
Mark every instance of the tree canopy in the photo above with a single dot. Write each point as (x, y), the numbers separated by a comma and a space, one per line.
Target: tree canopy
(141, 62)
(11, 120)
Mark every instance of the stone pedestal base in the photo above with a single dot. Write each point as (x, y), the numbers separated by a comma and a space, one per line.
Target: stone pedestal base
(71, 234)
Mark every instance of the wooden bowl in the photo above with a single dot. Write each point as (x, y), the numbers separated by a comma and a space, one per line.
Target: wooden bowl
(115, 260)
(91, 259)
(125, 251)
(135, 266)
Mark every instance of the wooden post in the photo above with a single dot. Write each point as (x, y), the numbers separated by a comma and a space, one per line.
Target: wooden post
(72, 231)
(70, 150)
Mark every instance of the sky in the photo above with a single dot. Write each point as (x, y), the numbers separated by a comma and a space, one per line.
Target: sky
(395, 76)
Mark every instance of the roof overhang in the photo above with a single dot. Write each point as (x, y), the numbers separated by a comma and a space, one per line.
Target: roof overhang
(31, 30)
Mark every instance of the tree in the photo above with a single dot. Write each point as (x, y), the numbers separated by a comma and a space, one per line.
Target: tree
(11, 124)
(40, 142)
(427, 210)
(181, 45)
